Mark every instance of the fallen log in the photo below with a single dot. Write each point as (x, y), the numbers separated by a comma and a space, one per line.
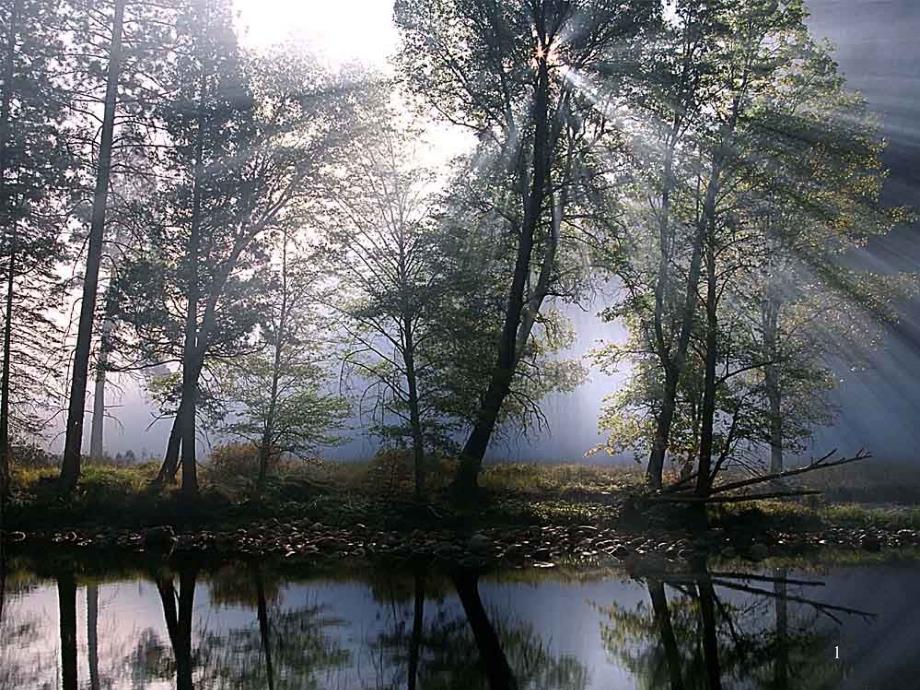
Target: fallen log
(677, 498)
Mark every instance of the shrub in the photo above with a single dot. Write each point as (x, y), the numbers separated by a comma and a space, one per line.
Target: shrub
(234, 462)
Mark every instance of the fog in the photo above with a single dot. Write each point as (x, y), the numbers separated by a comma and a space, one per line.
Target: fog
(878, 51)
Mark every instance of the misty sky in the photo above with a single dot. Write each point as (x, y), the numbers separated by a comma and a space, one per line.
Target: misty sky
(878, 50)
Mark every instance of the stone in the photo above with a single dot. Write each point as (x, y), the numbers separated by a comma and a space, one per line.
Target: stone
(479, 543)
(870, 542)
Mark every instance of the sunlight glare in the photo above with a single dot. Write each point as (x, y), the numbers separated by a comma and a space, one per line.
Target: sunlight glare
(338, 32)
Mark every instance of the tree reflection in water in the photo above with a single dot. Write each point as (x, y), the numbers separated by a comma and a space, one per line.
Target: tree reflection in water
(702, 638)
(469, 646)
(245, 626)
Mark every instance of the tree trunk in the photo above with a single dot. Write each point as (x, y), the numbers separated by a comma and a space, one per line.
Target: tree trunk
(491, 656)
(170, 466)
(418, 623)
(665, 417)
(264, 629)
(265, 447)
(193, 347)
(704, 467)
(70, 467)
(772, 383)
(466, 480)
(92, 634)
(415, 419)
(666, 631)
(67, 612)
(5, 440)
(96, 435)
(8, 72)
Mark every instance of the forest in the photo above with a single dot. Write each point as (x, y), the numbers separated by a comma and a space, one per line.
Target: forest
(261, 243)
(283, 254)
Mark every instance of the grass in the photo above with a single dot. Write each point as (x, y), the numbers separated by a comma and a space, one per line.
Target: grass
(379, 494)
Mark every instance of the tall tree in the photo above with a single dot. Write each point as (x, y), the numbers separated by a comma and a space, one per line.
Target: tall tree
(35, 162)
(248, 140)
(70, 467)
(507, 70)
(121, 47)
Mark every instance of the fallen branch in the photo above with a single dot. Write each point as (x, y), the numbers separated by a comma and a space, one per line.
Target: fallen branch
(819, 464)
(732, 499)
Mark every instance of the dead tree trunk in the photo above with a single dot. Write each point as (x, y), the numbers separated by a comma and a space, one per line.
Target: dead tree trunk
(70, 466)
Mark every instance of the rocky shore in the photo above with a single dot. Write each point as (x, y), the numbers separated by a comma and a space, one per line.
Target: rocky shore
(531, 546)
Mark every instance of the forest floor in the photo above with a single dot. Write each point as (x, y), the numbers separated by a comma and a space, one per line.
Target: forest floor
(536, 514)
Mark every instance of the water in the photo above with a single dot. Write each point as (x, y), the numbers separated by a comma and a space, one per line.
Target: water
(145, 624)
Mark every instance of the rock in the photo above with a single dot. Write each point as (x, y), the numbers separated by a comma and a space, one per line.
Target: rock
(621, 551)
(870, 542)
(16, 536)
(162, 537)
(479, 543)
(758, 552)
(542, 555)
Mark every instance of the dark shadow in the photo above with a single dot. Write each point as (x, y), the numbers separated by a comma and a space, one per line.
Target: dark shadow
(67, 613)
(418, 622)
(493, 659)
(179, 620)
(666, 631)
(92, 634)
(264, 626)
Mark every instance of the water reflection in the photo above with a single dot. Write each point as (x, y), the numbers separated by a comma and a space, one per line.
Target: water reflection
(188, 625)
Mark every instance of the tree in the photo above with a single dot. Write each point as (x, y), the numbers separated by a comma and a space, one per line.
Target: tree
(768, 178)
(278, 398)
(506, 70)
(35, 163)
(127, 60)
(266, 134)
(393, 287)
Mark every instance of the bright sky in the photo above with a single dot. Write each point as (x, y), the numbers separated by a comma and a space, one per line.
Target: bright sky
(337, 31)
